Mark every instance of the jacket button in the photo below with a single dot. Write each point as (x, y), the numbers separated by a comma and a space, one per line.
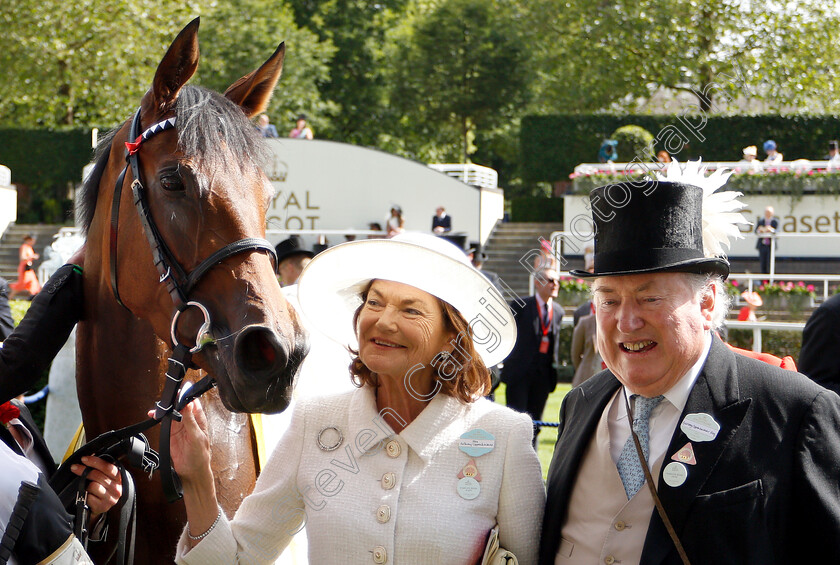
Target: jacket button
(379, 554)
(620, 525)
(383, 514)
(609, 560)
(389, 481)
(393, 449)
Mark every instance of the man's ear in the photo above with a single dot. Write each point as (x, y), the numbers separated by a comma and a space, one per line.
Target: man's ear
(708, 302)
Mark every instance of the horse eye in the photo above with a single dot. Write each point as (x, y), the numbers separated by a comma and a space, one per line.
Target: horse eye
(171, 182)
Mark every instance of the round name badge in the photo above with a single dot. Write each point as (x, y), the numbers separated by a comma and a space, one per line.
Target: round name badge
(700, 427)
(674, 474)
(476, 443)
(468, 488)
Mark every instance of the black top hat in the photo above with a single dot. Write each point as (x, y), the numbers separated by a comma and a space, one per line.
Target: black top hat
(290, 247)
(649, 227)
(833, 144)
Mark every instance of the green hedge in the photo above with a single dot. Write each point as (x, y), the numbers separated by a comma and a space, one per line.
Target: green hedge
(44, 161)
(551, 146)
(536, 209)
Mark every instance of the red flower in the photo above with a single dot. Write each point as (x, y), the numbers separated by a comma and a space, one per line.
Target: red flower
(8, 412)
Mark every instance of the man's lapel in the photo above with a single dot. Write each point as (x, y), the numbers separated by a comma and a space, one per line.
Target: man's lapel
(715, 393)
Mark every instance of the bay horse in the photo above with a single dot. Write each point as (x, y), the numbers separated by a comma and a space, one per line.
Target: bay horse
(198, 162)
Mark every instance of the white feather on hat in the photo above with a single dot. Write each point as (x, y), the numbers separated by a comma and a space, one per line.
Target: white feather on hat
(721, 210)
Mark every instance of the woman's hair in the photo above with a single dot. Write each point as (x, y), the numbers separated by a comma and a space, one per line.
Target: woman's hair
(472, 380)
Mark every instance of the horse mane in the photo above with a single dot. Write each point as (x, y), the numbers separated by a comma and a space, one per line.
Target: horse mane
(211, 129)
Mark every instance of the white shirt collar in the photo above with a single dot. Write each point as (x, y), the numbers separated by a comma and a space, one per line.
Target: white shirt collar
(541, 302)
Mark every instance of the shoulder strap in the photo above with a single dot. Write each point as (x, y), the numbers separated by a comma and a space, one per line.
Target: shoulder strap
(656, 501)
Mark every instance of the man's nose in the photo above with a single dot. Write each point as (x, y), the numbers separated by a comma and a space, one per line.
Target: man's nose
(628, 317)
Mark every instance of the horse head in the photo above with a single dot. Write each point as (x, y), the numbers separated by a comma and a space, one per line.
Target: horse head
(205, 191)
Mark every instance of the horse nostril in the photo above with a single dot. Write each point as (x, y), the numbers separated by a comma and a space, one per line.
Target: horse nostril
(259, 352)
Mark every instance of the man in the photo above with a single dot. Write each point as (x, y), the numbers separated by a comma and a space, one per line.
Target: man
(441, 221)
(528, 371)
(291, 259)
(743, 455)
(478, 257)
(766, 227)
(820, 344)
(264, 127)
(773, 156)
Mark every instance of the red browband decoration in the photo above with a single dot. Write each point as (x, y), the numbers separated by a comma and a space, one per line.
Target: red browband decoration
(134, 147)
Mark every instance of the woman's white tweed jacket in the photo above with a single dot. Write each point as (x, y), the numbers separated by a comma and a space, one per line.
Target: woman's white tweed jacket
(369, 501)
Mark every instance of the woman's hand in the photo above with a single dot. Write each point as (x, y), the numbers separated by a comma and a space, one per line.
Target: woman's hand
(105, 487)
(190, 446)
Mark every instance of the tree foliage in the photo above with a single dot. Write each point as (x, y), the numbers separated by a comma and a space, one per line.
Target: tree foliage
(66, 63)
(88, 62)
(610, 53)
(356, 81)
(458, 68)
(239, 35)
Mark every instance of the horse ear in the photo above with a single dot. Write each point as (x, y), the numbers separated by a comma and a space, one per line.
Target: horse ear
(177, 66)
(253, 91)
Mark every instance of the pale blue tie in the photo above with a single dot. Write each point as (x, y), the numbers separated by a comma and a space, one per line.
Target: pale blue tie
(629, 466)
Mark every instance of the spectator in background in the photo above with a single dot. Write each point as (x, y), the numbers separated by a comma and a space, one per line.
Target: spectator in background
(820, 343)
(608, 153)
(528, 371)
(585, 357)
(833, 156)
(27, 282)
(395, 224)
(441, 221)
(291, 259)
(265, 128)
(749, 159)
(301, 130)
(477, 257)
(753, 300)
(663, 156)
(773, 156)
(585, 309)
(375, 226)
(766, 226)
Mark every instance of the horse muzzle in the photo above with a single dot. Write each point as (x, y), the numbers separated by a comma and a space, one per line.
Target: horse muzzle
(265, 366)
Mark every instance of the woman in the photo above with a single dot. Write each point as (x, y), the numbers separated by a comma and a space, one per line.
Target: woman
(395, 222)
(754, 301)
(27, 279)
(411, 467)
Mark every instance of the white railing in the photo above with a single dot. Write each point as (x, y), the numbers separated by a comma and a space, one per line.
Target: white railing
(799, 165)
(758, 327)
(475, 175)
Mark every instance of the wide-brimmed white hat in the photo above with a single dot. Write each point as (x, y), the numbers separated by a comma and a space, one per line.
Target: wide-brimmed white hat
(329, 287)
(752, 297)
